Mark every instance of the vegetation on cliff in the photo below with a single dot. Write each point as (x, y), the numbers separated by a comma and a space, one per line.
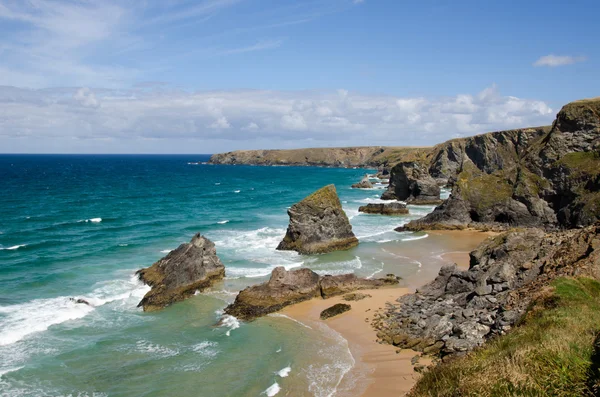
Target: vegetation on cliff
(554, 351)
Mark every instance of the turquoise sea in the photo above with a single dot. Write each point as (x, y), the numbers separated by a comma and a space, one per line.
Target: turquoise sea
(79, 226)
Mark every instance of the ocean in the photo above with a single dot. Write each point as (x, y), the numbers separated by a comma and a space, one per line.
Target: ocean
(79, 226)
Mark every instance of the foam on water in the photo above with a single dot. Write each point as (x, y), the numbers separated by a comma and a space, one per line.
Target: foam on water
(255, 272)
(237, 191)
(206, 348)
(223, 222)
(228, 321)
(272, 390)
(14, 247)
(93, 220)
(412, 238)
(284, 372)
(289, 318)
(155, 350)
(165, 251)
(21, 320)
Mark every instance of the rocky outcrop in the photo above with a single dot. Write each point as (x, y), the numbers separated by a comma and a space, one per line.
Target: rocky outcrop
(364, 183)
(318, 224)
(411, 182)
(394, 208)
(539, 177)
(459, 310)
(285, 288)
(349, 157)
(335, 310)
(191, 267)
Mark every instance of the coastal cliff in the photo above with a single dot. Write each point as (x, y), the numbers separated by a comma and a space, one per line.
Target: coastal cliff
(546, 177)
(366, 156)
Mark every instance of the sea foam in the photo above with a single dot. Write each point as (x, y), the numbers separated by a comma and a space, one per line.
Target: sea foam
(284, 372)
(272, 390)
(24, 319)
(14, 247)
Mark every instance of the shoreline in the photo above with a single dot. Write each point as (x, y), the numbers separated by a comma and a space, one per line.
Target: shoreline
(382, 370)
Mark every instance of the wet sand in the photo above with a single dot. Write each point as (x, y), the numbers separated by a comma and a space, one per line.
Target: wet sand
(379, 370)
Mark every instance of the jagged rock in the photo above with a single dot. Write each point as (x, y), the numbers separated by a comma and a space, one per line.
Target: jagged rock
(335, 310)
(318, 224)
(285, 288)
(80, 301)
(192, 267)
(411, 182)
(364, 183)
(394, 208)
(459, 310)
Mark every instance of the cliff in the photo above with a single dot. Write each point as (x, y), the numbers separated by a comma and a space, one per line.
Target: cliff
(366, 156)
(545, 177)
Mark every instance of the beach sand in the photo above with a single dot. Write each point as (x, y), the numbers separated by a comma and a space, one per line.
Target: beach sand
(380, 371)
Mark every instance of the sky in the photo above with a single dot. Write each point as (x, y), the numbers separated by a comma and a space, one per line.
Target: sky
(208, 76)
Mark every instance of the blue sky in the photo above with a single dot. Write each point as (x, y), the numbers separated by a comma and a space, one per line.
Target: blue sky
(204, 76)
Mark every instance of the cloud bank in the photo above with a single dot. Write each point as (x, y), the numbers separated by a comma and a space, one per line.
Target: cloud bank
(156, 118)
(558, 60)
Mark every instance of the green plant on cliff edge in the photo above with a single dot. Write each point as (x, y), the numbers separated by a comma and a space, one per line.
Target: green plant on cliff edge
(555, 351)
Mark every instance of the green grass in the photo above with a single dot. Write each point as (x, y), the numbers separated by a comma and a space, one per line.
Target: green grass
(582, 163)
(553, 352)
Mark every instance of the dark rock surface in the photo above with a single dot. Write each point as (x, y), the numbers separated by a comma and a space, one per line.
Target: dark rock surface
(335, 310)
(394, 208)
(318, 224)
(192, 266)
(459, 310)
(285, 288)
(355, 296)
(364, 183)
(410, 181)
(537, 177)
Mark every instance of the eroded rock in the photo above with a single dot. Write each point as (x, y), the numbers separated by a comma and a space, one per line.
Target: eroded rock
(318, 224)
(335, 310)
(192, 267)
(394, 208)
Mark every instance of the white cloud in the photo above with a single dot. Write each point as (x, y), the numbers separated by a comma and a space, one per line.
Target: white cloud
(221, 123)
(558, 60)
(86, 97)
(159, 119)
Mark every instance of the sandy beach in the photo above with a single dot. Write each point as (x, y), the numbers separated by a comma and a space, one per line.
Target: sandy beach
(381, 371)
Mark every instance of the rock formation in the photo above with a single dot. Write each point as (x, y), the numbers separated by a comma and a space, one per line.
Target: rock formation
(318, 224)
(394, 208)
(192, 267)
(411, 182)
(459, 310)
(364, 183)
(538, 177)
(335, 310)
(285, 288)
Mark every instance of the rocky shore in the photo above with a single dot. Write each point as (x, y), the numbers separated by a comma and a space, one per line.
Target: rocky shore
(286, 288)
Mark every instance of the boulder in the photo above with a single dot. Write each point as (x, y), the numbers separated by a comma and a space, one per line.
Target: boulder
(192, 267)
(318, 224)
(344, 283)
(334, 310)
(286, 288)
(411, 182)
(364, 183)
(394, 208)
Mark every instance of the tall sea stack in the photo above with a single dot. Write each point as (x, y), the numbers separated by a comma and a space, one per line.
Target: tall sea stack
(318, 224)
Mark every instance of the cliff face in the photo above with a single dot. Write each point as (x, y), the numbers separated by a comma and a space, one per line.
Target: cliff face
(544, 177)
(375, 156)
